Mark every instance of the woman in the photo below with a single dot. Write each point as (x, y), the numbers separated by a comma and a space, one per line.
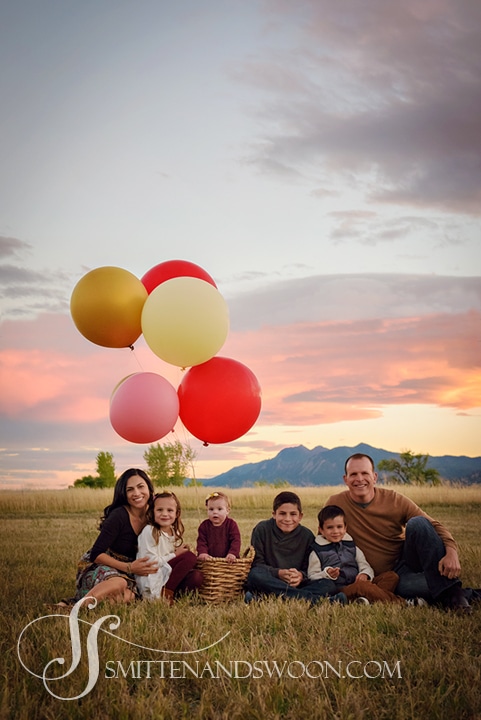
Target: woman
(108, 569)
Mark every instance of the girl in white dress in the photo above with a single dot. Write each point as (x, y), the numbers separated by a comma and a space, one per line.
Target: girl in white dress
(162, 541)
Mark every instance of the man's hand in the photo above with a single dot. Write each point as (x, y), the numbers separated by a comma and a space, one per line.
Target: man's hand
(449, 565)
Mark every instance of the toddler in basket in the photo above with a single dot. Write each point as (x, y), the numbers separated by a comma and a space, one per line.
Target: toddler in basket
(219, 535)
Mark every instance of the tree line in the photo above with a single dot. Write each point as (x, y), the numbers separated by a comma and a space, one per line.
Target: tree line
(167, 464)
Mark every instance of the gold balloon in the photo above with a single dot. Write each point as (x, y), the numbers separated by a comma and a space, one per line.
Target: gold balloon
(106, 306)
(185, 321)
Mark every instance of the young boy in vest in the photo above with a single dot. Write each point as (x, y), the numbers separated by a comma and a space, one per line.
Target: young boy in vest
(336, 557)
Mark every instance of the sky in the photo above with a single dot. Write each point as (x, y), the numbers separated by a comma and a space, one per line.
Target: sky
(320, 160)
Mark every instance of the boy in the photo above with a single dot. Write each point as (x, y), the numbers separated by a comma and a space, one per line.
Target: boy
(219, 535)
(282, 548)
(335, 557)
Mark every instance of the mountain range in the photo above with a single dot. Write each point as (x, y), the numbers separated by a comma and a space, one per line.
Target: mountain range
(300, 466)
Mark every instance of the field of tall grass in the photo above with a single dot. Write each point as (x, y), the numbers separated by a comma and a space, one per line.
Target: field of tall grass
(270, 659)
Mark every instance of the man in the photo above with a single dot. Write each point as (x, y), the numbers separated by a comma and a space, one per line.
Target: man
(395, 534)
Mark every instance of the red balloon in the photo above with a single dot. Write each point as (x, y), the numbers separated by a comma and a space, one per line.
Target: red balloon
(219, 400)
(144, 407)
(172, 269)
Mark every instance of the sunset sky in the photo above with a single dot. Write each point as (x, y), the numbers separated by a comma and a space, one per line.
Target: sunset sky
(320, 160)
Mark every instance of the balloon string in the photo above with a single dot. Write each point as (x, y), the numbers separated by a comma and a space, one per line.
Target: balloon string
(132, 349)
(185, 442)
(196, 489)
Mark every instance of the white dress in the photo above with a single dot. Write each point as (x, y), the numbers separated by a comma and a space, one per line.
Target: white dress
(150, 586)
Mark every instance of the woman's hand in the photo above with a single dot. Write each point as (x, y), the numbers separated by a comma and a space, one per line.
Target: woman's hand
(143, 566)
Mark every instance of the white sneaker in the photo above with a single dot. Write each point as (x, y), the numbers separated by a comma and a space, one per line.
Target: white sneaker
(417, 602)
(362, 601)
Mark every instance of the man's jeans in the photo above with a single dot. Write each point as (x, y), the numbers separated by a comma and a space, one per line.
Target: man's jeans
(418, 566)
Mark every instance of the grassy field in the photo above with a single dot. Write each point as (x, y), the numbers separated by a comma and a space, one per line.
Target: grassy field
(268, 660)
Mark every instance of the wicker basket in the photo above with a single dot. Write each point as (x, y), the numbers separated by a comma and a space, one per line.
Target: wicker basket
(224, 581)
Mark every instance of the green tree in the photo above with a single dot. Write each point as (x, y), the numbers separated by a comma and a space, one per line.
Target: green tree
(87, 481)
(106, 469)
(168, 464)
(410, 469)
(105, 473)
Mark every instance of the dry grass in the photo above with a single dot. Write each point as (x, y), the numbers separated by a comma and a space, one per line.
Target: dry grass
(86, 500)
(43, 534)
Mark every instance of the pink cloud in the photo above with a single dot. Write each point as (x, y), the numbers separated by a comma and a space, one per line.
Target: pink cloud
(317, 372)
(50, 372)
(327, 372)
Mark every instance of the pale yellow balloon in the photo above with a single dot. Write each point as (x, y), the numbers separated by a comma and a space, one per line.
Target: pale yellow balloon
(185, 321)
(106, 306)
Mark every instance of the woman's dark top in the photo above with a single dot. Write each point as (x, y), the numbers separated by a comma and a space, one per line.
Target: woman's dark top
(117, 534)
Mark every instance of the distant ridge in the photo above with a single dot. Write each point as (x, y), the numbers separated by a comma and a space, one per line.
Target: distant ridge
(321, 466)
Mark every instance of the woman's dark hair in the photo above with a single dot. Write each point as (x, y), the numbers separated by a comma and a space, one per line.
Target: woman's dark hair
(120, 491)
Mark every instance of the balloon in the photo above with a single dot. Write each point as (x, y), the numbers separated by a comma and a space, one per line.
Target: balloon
(220, 400)
(172, 269)
(185, 321)
(106, 306)
(120, 383)
(144, 407)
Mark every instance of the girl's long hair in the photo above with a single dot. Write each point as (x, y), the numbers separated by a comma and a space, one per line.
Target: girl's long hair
(120, 491)
(177, 525)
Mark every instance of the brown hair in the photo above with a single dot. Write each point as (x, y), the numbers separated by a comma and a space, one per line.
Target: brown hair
(287, 497)
(329, 512)
(177, 525)
(358, 456)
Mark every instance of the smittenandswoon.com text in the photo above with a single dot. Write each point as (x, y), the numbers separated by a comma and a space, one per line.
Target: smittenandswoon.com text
(256, 670)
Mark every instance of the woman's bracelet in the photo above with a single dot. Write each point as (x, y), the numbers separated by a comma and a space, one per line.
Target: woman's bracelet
(129, 568)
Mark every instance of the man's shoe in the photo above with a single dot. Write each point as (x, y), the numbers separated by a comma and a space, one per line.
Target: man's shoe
(362, 601)
(455, 599)
(473, 595)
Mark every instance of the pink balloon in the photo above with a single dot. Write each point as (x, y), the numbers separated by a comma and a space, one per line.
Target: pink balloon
(144, 407)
